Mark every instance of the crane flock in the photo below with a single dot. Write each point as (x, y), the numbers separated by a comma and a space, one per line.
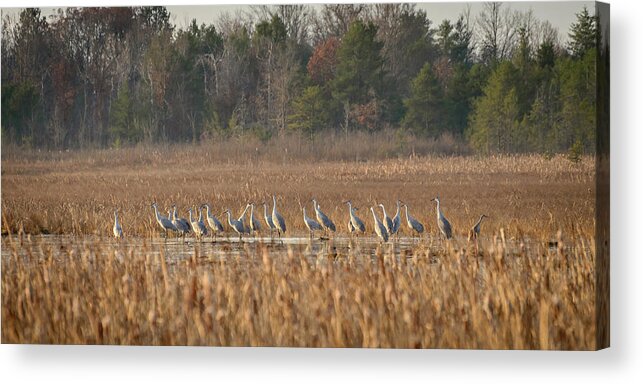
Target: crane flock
(384, 228)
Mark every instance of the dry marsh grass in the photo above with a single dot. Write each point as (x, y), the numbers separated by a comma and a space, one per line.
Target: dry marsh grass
(532, 286)
(99, 293)
(77, 194)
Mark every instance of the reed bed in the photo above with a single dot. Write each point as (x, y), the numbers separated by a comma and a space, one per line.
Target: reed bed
(526, 195)
(92, 291)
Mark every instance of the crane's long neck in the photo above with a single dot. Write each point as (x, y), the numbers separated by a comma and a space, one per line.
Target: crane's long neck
(252, 211)
(406, 209)
(398, 209)
(383, 210)
(479, 221)
(439, 212)
(190, 213)
(274, 205)
(115, 218)
(374, 216)
(229, 218)
(304, 209)
(201, 214)
(156, 212)
(207, 210)
(243, 213)
(174, 214)
(265, 210)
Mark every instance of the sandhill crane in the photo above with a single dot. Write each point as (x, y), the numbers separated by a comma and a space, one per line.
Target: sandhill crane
(204, 229)
(354, 222)
(118, 231)
(474, 232)
(396, 219)
(388, 223)
(213, 222)
(255, 226)
(412, 223)
(277, 219)
(242, 219)
(443, 223)
(181, 225)
(236, 225)
(163, 221)
(322, 218)
(311, 224)
(380, 229)
(196, 226)
(268, 218)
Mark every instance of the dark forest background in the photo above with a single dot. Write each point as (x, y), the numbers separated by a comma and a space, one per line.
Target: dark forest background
(500, 81)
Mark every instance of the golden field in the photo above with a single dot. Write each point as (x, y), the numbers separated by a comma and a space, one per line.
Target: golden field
(531, 286)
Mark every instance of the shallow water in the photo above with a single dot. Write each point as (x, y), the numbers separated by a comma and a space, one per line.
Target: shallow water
(221, 248)
(175, 250)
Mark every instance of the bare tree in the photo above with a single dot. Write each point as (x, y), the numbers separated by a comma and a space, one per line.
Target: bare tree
(497, 32)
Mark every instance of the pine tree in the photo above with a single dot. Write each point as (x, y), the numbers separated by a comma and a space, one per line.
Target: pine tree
(309, 111)
(583, 34)
(494, 125)
(424, 108)
(359, 64)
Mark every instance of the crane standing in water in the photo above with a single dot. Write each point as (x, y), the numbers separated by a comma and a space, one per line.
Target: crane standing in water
(213, 222)
(311, 224)
(380, 229)
(355, 224)
(267, 218)
(323, 219)
(277, 219)
(181, 225)
(163, 221)
(396, 220)
(196, 225)
(443, 223)
(236, 225)
(255, 226)
(412, 223)
(387, 221)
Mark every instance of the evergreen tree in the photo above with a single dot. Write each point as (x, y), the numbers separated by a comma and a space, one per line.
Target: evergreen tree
(122, 128)
(424, 108)
(309, 111)
(494, 125)
(359, 64)
(583, 34)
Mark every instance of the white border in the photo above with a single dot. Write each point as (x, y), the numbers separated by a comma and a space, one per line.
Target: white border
(621, 363)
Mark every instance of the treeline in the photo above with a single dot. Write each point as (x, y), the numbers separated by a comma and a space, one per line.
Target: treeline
(97, 77)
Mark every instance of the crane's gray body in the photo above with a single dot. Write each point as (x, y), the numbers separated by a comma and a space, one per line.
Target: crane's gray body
(388, 223)
(213, 222)
(311, 224)
(443, 223)
(412, 223)
(181, 225)
(380, 229)
(396, 220)
(277, 219)
(163, 221)
(323, 219)
(354, 222)
(236, 225)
